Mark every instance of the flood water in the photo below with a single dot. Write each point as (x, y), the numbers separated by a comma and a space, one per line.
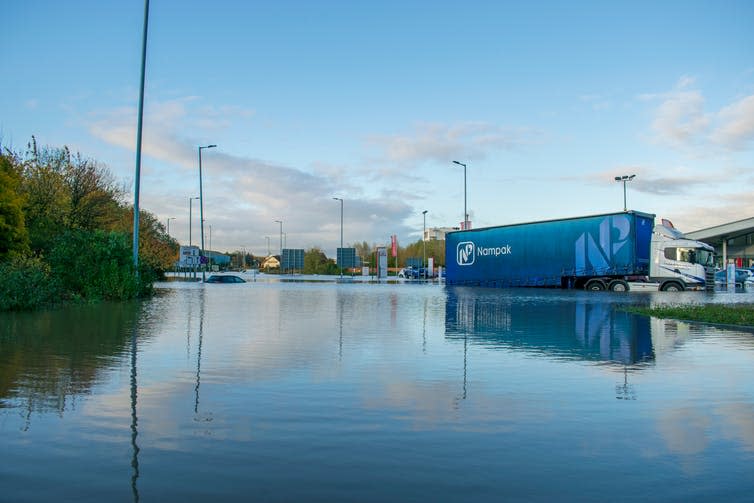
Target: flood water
(319, 391)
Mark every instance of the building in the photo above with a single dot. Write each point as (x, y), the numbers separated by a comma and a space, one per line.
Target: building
(271, 262)
(733, 242)
(438, 233)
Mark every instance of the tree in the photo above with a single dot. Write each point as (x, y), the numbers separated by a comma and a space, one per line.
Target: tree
(94, 195)
(14, 238)
(435, 249)
(316, 262)
(157, 251)
(46, 198)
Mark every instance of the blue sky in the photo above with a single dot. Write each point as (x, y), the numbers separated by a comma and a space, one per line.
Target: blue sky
(546, 102)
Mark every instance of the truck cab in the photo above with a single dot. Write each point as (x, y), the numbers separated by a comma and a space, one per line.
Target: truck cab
(678, 263)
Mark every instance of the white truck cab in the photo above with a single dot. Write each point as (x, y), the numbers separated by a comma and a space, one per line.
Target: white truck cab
(678, 263)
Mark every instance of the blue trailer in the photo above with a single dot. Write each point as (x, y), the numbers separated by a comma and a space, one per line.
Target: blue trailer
(598, 252)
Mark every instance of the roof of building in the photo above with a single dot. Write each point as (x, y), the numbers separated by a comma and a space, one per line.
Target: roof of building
(723, 231)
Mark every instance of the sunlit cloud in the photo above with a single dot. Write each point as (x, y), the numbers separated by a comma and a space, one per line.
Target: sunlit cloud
(736, 124)
(243, 195)
(681, 120)
(431, 142)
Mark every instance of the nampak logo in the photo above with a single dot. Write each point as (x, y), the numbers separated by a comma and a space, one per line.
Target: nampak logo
(465, 253)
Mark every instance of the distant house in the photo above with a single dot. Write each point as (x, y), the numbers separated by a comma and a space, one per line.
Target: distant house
(271, 262)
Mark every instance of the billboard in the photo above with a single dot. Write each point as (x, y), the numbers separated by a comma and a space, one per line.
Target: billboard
(189, 256)
(292, 259)
(346, 258)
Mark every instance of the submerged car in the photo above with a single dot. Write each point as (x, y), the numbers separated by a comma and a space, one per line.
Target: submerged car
(229, 278)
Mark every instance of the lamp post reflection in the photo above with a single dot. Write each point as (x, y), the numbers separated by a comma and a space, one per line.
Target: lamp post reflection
(424, 329)
(625, 391)
(199, 355)
(134, 421)
(341, 301)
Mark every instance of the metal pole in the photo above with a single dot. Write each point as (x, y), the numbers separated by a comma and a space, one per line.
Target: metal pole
(201, 205)
(140, 115)
(624, 179)
(201, 213)
(191, 212)
(281, 244)
(210, 246)
(424, 244)
(465, 212)
(342, 252)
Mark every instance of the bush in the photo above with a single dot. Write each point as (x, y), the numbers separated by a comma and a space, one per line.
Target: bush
(95, 265)
(26, 284)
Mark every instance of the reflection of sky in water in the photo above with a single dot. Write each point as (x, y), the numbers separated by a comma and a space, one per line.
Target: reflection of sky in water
(475, 392)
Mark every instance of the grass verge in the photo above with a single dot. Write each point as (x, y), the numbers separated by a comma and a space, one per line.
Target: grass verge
(737, 314)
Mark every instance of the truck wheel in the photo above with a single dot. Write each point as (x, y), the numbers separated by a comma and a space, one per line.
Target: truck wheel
(618, 285)
(672, 286)
(595, 285)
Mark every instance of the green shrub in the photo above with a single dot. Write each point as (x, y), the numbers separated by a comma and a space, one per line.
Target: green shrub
(95, 265)
(26, 284)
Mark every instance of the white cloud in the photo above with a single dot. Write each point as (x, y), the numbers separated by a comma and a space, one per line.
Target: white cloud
(244, 196)
(736, 124)
(442, 142)
(681, 120)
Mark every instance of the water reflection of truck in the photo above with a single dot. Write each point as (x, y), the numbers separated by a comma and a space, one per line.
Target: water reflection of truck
(572, 328)
(617, 251)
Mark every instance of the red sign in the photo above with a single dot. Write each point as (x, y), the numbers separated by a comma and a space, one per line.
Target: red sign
(394, 242)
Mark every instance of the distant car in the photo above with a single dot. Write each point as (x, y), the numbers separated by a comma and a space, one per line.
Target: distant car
(406, 272)
(744, 277)
(414, 273)
(217, 278)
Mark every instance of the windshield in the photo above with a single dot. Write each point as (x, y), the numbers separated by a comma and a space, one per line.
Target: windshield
(696, 256)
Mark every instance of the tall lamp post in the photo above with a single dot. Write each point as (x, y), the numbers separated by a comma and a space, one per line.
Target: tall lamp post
(342, 252)
(624, 179)
(139, 117)
(210, 245)
(201, 202)
(465, 213)
(424, 244)
(169, 219)
(281, 243)
(191, 213)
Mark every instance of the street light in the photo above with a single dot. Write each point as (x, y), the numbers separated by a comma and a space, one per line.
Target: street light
(139, 117)
(424, 244)
(169, 219)
(191, 212)
(281, 238)
(210, 245)
(465, 213)
(624, 179)
(342, 252)
(201, 200)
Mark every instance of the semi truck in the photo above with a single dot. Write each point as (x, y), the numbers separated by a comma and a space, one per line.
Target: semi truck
(614, 251)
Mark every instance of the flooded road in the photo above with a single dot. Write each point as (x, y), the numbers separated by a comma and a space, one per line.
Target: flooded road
(318, 391)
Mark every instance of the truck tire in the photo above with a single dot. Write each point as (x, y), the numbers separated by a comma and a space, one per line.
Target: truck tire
(672, 286)
(618, 285)
(595, 285)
